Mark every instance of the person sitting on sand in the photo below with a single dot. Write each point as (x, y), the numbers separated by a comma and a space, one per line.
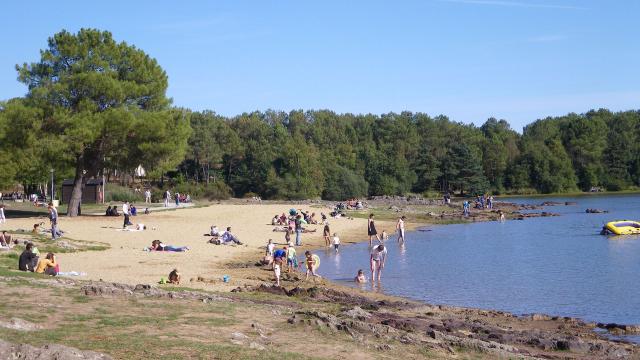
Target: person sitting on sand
(157, 245)
(326, 233)
(133, 210)
(36, 229)
(214, 231)
(28, 260)
(360, 278)
(310, 261)
(174, 277)
(275, 220)
(48, 265)
(146, 211)
(114, 211)
(227, 237)
(108, 212)
(5, 239)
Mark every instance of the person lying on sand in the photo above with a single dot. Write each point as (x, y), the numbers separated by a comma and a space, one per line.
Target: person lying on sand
(157, 245)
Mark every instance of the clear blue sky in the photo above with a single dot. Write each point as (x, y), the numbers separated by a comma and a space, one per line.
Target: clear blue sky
(468, 59)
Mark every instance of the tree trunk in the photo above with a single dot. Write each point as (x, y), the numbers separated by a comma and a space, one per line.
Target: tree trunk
(207, 174)
(78, 185)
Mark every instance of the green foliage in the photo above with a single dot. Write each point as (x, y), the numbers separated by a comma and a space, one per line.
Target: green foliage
(342, 184)
(94, 103)
(99, 103)
(117, 193)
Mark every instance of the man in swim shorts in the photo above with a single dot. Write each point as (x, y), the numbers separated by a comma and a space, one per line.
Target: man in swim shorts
(400, 228)
(377, 260)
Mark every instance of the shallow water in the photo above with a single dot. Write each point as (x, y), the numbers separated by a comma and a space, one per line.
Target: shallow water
(557, 265)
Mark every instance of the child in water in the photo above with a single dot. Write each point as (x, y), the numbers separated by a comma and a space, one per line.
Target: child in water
(336, 242)
(311, 265)
(360, 278)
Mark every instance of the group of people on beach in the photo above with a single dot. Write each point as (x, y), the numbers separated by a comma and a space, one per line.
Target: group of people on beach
(222, 237)
(30, 260)
(177, 197)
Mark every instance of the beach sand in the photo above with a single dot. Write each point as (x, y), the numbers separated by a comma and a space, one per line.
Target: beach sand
(126, 262)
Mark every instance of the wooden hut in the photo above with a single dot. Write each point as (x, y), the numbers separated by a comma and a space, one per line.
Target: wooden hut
(90, 195)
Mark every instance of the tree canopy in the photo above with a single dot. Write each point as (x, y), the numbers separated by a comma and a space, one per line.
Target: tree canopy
(101, 104)
(94, 104)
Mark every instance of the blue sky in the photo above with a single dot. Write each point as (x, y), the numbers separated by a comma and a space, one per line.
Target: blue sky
(468, 59)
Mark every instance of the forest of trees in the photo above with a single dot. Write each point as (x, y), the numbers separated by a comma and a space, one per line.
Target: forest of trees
(96, 106)
(309, 154)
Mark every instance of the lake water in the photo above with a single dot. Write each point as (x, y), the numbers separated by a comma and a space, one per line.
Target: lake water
(556, 265)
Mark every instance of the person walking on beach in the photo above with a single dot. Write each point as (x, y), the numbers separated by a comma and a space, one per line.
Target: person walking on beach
(371, 230)
(53, 218)
(400, 228)
(166, 197)
(2, 218)
(147, 196)
(377, 259)
(126, 212)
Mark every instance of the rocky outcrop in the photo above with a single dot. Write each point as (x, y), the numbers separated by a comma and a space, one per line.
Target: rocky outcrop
(50, 351)
(116, 289)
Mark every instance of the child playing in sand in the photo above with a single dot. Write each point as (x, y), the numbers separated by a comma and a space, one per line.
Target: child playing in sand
(311, 265)
(174, 277)
(360, 278)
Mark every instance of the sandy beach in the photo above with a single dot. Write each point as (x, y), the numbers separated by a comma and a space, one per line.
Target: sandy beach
(126, 262)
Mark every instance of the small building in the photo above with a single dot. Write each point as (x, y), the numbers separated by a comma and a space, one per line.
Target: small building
(92, 193)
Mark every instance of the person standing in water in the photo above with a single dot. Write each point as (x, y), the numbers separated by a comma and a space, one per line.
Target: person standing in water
(371, 230)
(377, 260)
(400, 228)
(327, 234)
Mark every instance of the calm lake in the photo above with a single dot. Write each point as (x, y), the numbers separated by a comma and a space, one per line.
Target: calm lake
(557, 265)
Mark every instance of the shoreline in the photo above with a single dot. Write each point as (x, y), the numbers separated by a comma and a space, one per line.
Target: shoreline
(204, 266)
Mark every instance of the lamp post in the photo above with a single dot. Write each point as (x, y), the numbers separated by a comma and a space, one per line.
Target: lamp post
(53, 189)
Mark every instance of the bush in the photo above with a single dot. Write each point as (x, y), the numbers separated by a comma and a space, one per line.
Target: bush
(217, 191)
(342, 183)
(117, 193)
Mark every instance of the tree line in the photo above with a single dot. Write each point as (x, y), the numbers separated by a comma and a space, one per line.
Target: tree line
(308, 154)
(95, 105)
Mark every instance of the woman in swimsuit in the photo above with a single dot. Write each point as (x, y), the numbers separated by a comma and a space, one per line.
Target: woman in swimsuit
(371, 230)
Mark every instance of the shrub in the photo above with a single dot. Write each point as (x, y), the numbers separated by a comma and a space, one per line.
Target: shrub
(117, 193)
(217, 191)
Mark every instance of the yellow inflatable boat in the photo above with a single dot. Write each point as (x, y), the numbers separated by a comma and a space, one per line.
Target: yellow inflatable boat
(622, 227)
